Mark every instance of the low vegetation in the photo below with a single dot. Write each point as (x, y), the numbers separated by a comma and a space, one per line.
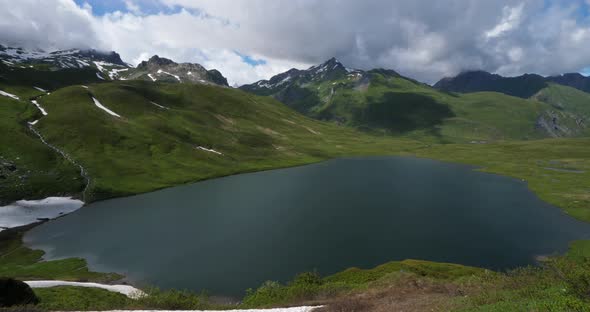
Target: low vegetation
(558, 284)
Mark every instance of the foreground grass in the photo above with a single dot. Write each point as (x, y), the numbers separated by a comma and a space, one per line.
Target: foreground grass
(20, 262)
(77, 298)
(560, 284)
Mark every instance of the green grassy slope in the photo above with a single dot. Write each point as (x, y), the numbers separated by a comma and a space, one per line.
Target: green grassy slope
(569, 106)
(29, 169)
(415, 110)
(20, 81)
(150, 147)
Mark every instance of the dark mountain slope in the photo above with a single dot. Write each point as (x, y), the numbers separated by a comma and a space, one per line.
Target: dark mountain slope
(523, 86)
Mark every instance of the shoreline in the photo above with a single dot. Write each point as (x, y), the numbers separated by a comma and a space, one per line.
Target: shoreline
(28, 227)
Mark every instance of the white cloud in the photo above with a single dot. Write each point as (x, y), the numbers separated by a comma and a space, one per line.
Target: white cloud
(510, 20)
(423, 39)
(133, 7)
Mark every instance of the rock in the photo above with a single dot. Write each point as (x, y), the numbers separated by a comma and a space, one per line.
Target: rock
(15, 293)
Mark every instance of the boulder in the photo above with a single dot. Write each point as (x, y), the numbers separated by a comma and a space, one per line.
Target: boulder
(15, 293)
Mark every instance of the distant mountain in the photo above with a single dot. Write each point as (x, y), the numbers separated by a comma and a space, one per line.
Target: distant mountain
(162, 69)
(312, 91)
(574, 80)
(382, 99)
(281, 84)
(110, 66)
(523, 86)
(73, 58)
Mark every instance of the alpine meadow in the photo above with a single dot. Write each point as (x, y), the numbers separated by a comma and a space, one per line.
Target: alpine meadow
(301, 156)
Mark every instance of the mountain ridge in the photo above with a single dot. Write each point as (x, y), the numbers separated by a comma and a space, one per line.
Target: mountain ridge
(524, 86)
(110, 66)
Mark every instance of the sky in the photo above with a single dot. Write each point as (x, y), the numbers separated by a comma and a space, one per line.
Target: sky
(250, 40)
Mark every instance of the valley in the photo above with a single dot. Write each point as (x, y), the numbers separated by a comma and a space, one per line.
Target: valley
(131, 134)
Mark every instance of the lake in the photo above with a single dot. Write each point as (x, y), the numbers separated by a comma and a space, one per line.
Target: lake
(229, 234)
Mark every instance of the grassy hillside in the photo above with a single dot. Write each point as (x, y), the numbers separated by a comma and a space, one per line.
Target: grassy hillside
(570, 108)
(151, 147)
(523, 86)
(418, 111)
(29, 169)
(383, 101)
(20, 81)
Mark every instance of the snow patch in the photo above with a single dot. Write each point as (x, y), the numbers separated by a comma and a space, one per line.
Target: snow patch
(83, 63)
(158, 105)
(40, 89)
(39, 107)
(85, 87)
(99, 76)
(126, 290)
(209, 150)
(99, 105)
(169, 74)
(25, 212)
(152, 77)
(99, 66)
(32, 123)
(9, 95)
(114, 73)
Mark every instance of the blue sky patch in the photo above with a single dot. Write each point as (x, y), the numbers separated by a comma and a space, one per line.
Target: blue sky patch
(250, 60)
(102, 7)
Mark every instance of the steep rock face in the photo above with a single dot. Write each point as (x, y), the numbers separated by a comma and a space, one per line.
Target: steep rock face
(165, 70)
(523, 86)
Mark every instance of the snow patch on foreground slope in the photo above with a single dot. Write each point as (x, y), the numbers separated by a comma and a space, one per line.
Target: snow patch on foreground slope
(158, 105)
(126, 290)
(9, 95)
(25, 212)
(39, 107)
(210, 150)
(97, 103)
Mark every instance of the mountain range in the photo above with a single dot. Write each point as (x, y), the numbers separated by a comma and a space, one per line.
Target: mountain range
(474, 106)
(523, 86)
(109, 66)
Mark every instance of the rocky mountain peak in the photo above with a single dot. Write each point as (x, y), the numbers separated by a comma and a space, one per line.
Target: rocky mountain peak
(165, 70)
(156, 61)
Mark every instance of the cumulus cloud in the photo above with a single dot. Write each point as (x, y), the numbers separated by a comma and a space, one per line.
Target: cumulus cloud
(46, 24)
(420, 38)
